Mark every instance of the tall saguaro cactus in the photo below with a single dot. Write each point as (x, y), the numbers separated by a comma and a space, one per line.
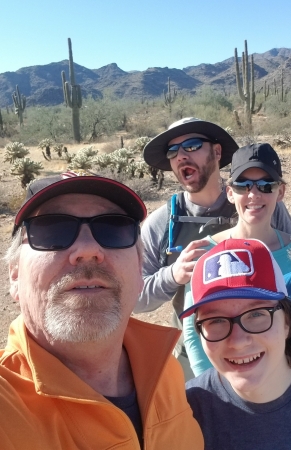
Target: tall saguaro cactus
(169, 97)
(246, 88)
(19, 101)
(73, 96)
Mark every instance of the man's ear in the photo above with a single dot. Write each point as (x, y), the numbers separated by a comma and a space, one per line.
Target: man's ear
(229, 193)
(217, 150)
(13, 277)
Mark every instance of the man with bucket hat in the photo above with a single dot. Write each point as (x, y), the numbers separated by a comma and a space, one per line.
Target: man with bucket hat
(78, 372)
(195, 150)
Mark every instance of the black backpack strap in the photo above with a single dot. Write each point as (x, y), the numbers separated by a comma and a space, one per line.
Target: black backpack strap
(177, 215)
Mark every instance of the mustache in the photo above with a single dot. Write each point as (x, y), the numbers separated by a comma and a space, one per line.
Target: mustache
(187, 164)
(88, 272)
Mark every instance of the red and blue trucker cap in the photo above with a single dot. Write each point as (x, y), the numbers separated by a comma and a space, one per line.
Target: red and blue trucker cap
(236, 268)
(43, 189)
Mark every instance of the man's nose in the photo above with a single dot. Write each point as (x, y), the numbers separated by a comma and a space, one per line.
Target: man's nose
(182, 154)
(85, 247)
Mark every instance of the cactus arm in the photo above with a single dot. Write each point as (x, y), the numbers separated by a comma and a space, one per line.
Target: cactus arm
(68, 95)
(64, 86)
(238, 81)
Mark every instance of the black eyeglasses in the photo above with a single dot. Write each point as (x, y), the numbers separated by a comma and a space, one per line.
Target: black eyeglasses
(190, 145)
(52, 232)
(264, 186)
(254, 321)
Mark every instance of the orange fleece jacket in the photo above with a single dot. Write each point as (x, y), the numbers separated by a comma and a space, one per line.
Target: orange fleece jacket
(45, 406)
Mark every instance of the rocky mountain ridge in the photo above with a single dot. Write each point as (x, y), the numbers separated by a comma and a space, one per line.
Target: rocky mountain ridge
(42, 85)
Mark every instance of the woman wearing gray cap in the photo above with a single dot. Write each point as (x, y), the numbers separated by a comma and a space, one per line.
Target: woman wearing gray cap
(255, 186)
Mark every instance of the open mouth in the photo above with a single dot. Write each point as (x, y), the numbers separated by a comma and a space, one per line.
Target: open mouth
(245, 361)
(188, 172)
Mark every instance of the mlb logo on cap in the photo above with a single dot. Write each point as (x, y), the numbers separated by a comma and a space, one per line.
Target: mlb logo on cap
(236, 268)
(228, 264)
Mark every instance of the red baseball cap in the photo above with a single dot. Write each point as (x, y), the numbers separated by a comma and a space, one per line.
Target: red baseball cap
(236, 268)
(43, 189)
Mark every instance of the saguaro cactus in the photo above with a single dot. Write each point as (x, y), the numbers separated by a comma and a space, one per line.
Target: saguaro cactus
(73, 96)
(169, 97)
(19, 101)
(246, 87)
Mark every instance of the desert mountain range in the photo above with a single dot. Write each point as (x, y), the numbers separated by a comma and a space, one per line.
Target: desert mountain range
(42, 85)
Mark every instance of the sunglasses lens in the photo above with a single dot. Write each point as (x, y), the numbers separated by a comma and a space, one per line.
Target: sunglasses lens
(172, 151)
(114, 231)
(58, 232)
(190, 145)
(52, 232)
(266, 187)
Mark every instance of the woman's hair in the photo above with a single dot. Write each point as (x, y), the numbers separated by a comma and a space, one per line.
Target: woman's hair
(286, 305)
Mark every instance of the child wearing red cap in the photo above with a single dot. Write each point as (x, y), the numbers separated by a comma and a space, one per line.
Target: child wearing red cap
(243, 316)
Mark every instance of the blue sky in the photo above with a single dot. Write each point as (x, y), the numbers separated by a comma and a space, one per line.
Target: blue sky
(138, 34)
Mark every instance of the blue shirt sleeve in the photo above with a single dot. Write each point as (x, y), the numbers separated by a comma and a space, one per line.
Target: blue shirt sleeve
(197, 357)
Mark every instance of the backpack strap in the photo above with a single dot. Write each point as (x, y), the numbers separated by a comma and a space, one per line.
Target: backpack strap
(177, 215)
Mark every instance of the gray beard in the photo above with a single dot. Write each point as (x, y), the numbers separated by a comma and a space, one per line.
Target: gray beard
(76, 317)
(204, 174)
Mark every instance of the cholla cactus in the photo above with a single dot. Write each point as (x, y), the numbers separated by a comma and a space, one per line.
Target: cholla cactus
(25, 169)
(120, 158)
(142, 169)
(80, 161)
(141, 142)
(131, 168)
(14, 151)
(45, 143)
(103, 161)
(88, 151)
(58, 149)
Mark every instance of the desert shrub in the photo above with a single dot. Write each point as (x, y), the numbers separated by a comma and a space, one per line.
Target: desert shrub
(208, 97)
(277, 108)
(47, 121)
(14, 151)
(101, 117)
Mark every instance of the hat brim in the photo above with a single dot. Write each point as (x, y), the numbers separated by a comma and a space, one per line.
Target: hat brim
(244, 293)
(44, 189)
(155, 151)
(250, 164)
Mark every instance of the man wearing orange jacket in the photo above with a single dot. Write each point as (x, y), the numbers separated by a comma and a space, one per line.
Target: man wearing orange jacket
(77, 371)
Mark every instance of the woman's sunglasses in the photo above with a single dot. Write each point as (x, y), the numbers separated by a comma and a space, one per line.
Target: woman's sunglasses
(266, 187)
(190, 145)
(52, 232)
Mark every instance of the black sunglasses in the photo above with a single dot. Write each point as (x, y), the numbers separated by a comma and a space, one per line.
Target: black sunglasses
(190, 145)
(52, 232)
(266, 187)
